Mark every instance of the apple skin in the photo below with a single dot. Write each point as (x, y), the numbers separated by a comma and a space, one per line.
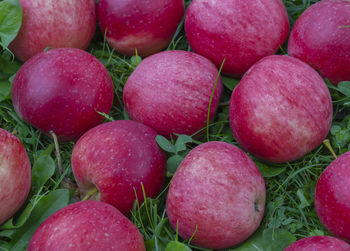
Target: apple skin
(55, 24)
(281, 109)
(241, 31)
(115, 158)
(147, 26)
(60, 90)
(319, 243)
(319, 39)
(220, 189)
(332, 200)
(170, 92)
(87, 225)
(15, 175)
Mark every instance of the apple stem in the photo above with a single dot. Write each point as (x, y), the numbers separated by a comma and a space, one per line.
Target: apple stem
(58, 155)
(328, 145)
(90, 194)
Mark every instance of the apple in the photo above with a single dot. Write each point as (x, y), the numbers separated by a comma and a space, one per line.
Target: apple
(319, 243)
(170, 92)
(15, 175)
(55, 24)
(147, 26)
(240, 31)
(61, 90)
(332, 199)
(320, 38)
(87, 225)
(281, 109)
(117, 158)
(217, 194)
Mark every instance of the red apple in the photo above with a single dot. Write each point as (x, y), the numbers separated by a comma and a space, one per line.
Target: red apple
(319, 243)
(281, 109)
(320, 38)
(171, 91)
(217, 194)
(55, 24)
(145, 25)
(116, 158)
(61, 90)
(87, 225)
(15, 175)
(240, 31)
(332, 198)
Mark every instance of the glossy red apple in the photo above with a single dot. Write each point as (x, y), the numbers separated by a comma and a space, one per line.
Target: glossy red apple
(145, 25)
(241, 31)
(15, 175)
(61, 90)
(217, 194)
(170, 92)
(319, 243)
(320, 38)
(87, 225)
(332, 199)
(281, 109)
(116, 158)
(55, 24)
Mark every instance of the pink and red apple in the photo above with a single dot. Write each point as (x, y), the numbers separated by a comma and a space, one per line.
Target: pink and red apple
(319, 243)
(55, 24)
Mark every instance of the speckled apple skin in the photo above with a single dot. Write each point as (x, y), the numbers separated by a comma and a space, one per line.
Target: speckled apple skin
(55, 24)
(216, 188)
(60, 90)
(332, 198)
(145, 25)
(170, 92)
(281, 109)
(319, 39)
(15, 175)
(87, 225)
(241, 31)
(319, 243)
(116, 157)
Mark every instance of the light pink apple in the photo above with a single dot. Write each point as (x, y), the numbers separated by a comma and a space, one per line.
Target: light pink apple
(320, 38)
(145, 25)
(15, 175)
(116, 158)
(319, 243)
(87, 225)
(281, 109)
(55, 24)
(217, 194)
(240, 31)
(170, 92)
(61, 90)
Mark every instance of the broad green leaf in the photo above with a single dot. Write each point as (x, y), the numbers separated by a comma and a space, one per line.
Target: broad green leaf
(135, 60)
(43, 169)
(344, 87)
(22, 218)
(8, 65)
(173, 162)
(5, 90)
(165, 144)
(177, 246)
(154, 245)
(10, 20)
(302, 198)
(230, 83)
(267, 171)
(181, 142)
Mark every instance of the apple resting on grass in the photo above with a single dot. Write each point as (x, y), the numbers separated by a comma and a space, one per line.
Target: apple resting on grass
(281, 109)
(319, 243)
(15, 175)
(87, 225)
(170, 92)
(55, 24)
(145, 25)
(241, 31)
(115, 158)
(320, 38)
(61, 90)
(332, 197)
(218, 195)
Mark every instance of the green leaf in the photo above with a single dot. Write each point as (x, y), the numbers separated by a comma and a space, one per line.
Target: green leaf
(154, 245)
(8, 65)
(165, 144)
(269, 172)
(177, 246)
(230, 83)
(181, 142)
(344, 87)
(5, 90)
(43, 169)
(135, 60)
(173, 162)
(20, 220)
(302, 198)
(10, 20)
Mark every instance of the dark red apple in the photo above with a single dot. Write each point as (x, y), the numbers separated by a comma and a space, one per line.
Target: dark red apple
(319, 243)
(116, 158)
(241, 31)
(332, 198)
(281, 109)
(145, 25)
(87, 225)
(55, 24)
(320, 38)
(61, 90)
(217, 194)
(15, 175)
(170, 92)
